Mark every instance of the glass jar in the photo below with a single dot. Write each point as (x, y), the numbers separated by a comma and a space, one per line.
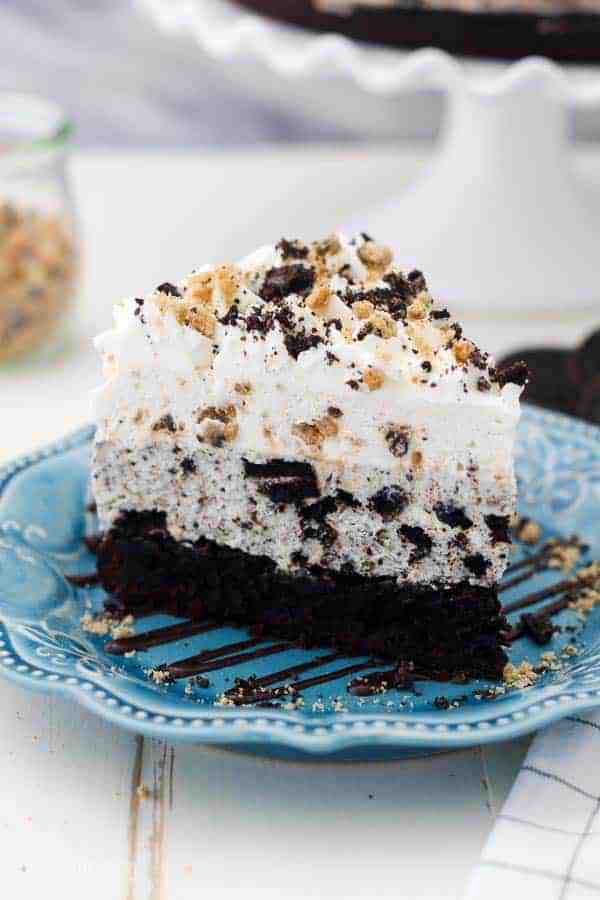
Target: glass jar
(38, 242)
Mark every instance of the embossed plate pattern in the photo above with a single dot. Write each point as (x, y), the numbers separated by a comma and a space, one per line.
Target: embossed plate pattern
(42, 646)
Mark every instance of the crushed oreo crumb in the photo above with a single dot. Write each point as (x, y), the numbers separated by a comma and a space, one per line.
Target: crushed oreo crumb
(499, 528)
(188, 465)
(167, 288)
(454, 516)
(397, 440)
(477, 564)
(421, 540)
(515, 373)
(389, 501)
(292, 249)
(165, 423)
(285, 280)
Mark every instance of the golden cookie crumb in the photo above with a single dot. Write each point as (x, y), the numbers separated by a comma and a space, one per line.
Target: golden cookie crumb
(230, 431)
(375, 255)
(202, 320)
(382, 324)
(373, 378)
(521, 676)
(219, 413)
(462, 351)
(528, 531)
(319, 298)
(199, 287)
(329, 246)
(328, 426)
(228, 279)
(362, 309)
(563, 556)
(419, 308)
(314, 433)
(243, 387)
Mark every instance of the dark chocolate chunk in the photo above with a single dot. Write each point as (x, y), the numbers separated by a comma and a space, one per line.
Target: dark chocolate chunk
(454, 516)
(440, 314)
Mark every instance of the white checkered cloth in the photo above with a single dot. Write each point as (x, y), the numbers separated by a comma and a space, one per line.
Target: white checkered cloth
(546, 841)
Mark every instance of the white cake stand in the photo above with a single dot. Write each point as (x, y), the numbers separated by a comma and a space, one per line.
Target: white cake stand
(500, 222)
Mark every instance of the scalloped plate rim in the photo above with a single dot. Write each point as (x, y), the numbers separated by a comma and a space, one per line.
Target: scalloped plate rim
(327, 734)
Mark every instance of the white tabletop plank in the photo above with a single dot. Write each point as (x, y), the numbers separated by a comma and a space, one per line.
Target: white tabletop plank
(65, 781)
(214, 823)
(321, 829)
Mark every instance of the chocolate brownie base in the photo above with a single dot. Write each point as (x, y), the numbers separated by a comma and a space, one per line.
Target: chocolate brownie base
(574, 36)
(444, 632)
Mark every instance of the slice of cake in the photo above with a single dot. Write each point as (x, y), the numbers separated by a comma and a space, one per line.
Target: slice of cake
(306, 444)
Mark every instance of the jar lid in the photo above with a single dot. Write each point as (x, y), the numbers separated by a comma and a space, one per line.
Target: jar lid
(33, 130)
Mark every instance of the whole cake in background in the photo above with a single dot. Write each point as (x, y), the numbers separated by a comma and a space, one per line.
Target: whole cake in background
(307, 444)
(511, 29)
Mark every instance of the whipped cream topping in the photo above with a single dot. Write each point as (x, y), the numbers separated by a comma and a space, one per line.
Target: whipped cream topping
(322, 351)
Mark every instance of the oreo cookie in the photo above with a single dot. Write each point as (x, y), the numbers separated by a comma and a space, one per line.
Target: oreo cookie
(550, 385)
(588, 406)
(587, 358)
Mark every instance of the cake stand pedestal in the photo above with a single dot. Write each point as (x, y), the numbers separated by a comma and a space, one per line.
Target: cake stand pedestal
(500, 222)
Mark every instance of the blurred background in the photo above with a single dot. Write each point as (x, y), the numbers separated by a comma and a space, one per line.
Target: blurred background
(142, 88)
(147, 88)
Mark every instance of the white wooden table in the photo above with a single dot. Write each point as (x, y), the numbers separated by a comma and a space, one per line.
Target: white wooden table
(217, 824)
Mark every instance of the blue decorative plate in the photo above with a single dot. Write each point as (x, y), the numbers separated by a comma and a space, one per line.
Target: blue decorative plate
(43, 646)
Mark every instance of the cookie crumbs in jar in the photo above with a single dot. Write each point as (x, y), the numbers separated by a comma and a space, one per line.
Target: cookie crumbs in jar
(37, 275)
